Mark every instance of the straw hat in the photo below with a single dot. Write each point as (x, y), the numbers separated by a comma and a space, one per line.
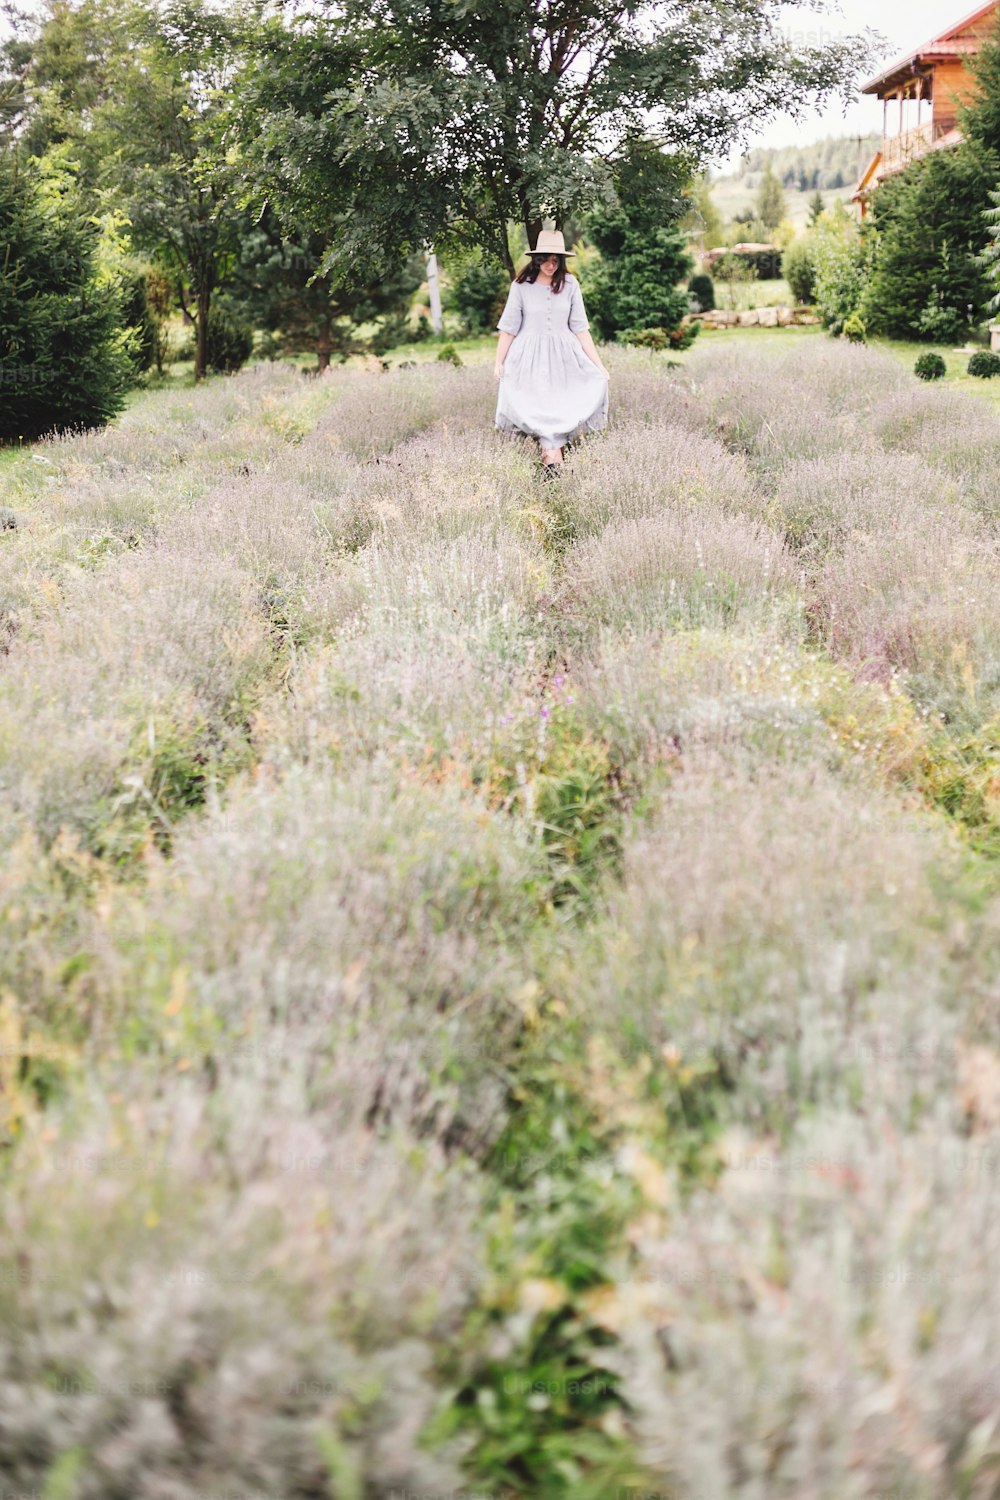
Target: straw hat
(550, 242)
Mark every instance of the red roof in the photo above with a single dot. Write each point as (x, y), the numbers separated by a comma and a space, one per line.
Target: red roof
(955, 42)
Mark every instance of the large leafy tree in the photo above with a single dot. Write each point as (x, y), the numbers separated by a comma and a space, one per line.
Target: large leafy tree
(399, 121)
(134, 90)
(162, 150)
(59, 66)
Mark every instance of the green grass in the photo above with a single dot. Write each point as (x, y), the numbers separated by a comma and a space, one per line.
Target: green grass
(956, 360)
(740, 296)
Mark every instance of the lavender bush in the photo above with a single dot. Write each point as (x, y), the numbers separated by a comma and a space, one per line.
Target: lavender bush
(499, 989)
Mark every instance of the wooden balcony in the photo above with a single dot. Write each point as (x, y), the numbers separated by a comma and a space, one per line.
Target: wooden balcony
(899, 150)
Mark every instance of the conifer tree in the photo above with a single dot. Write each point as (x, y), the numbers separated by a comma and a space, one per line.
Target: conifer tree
(927, 281)
(990, 260)
(63, 356)
(643, 253)
(980, 117)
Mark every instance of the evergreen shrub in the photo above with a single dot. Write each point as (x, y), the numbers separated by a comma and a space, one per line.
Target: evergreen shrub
(930, 367)
(984, 364)
(854, 329)
(637, 287)
(64, 362)
(644, 254)
(702, 290)
(228, 340)
(925, 279)
(940, 323)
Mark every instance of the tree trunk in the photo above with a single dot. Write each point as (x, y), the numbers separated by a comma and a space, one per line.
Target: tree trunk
(434, 291)
(201, 341)
(323, 345)
(534, 229)
(503, 244)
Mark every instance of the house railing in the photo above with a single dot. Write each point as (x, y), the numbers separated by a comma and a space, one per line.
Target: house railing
(899, 150)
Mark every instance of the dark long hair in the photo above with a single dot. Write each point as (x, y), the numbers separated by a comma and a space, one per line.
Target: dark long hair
(531, 270)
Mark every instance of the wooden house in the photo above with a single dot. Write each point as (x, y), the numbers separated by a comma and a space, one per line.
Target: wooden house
(922, 94)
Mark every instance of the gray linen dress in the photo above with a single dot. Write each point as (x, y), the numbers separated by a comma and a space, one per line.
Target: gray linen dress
(549, 389)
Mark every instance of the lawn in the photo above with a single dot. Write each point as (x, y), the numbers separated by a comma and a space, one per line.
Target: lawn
(500, 991)
(739, 296)
(956, 360)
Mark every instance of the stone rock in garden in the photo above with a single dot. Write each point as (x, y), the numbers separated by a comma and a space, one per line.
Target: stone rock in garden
(786, 317)
(804, 318)
(767, 317)
(750, 319)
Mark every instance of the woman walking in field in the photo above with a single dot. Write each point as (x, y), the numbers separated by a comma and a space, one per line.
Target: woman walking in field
(553, 384)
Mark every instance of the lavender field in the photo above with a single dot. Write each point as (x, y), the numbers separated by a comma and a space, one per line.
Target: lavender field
(500, 981)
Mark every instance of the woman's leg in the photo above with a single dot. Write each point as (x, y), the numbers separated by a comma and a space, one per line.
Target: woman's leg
(552, 455)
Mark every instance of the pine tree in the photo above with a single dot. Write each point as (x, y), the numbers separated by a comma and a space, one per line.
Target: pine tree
(980, 122)
(63, 356)
(816, 207)
(275, 283)
(930, 276)
(644, 255)
(926, 282)
(980, 118)
(637, 288)
(990, 259)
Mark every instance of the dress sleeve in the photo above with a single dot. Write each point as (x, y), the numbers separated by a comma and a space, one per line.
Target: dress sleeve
(510, 318)
(578, 319)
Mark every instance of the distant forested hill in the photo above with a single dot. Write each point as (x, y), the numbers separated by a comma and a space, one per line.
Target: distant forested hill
(830, 167)
(829, 164)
